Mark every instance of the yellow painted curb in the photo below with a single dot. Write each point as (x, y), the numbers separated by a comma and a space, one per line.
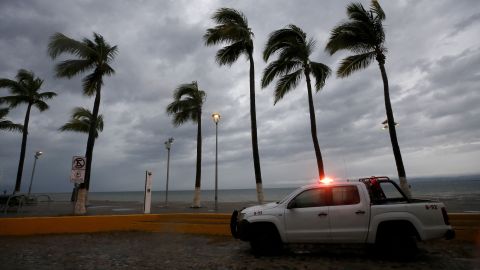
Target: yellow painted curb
(212, 224)
(467, 226)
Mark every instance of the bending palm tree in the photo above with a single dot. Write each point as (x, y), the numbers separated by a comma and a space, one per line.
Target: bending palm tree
(7, 124)
(233, 29)
(93, 55)
(25, 91)
(187, 106)
(293, 50)
(363, 35)
(81, 120)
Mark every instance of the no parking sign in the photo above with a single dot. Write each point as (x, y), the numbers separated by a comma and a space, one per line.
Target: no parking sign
(79, 165)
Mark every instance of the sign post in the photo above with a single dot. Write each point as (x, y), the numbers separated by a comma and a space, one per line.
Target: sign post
(79, 165)
(147, 202)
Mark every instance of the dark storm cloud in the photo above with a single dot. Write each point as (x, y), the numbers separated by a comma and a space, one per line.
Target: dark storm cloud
(432, 66)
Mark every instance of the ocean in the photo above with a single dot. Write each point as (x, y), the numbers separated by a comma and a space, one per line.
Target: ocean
(463, 189)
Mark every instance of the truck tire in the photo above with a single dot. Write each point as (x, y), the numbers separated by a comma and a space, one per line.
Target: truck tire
(265, 240)
(397, 241)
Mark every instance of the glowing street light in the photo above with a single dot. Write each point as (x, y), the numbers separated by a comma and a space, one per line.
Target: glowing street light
(168, 145)
(216, 118)
(37, 155)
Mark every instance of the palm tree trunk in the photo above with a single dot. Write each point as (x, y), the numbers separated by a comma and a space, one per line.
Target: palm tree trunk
(393, 133)
(253, 121)
(83, 188)
(198, 174)
(22, 149)
(313, 128)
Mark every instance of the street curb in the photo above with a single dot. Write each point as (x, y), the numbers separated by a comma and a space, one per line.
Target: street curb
(210, 224)
(466, 225)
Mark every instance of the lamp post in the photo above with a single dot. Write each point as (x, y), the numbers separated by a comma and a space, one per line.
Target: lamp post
(37, 155)
(216, 119)
(168, 145)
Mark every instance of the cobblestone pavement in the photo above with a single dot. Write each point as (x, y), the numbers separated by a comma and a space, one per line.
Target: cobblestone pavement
(140, 250)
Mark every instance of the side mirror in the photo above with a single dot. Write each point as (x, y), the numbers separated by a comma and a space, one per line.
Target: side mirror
(291, 204)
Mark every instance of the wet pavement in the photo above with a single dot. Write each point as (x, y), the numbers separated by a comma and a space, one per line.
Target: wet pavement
(141, 250)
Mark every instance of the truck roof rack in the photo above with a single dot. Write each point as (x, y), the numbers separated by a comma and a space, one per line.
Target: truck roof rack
(373, 178)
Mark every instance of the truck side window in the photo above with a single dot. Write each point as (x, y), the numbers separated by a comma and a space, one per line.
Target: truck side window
(345, 195)
(311, 198)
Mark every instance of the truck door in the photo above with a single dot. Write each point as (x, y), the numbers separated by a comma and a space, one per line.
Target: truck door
(349, 215)
(307, 217)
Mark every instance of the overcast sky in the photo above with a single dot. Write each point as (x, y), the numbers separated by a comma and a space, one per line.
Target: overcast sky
(432, 64)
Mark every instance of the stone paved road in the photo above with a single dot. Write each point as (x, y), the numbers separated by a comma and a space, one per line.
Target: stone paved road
(140, 250)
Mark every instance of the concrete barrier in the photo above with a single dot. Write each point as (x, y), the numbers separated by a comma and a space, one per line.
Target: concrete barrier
(467, 226)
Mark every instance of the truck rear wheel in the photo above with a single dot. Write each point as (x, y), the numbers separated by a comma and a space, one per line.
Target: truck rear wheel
(397, 240)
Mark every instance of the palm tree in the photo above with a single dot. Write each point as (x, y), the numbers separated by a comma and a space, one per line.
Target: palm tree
(7, 124)
(363, 35)
(187, 106)
(92, 55)
(293, 50)
(81, 121)
(25, 90)
(232, 29)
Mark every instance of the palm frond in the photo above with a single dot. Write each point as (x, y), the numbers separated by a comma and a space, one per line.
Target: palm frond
(354, 63)
(10, 84)
(283, 39)
(59, 43)
(187, 103)
(75, 125)
(41, 105)
(80, 121)
(4, 112)
(321, 72)
(278, 68)
(91, 83)
(361, 33)
(14, 101)
(70, 68)
(226, 34)
(377, 10)
(286, 83)
(26, 76)
(229, 54)
(349, 36)
(230, 16)
(10, 126)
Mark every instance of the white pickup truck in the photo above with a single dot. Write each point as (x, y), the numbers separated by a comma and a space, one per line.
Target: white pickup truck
(370, 210)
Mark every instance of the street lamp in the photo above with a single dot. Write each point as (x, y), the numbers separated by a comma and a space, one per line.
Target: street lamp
(216, 118)
(168, 145)
(385, 124)
(37, 155)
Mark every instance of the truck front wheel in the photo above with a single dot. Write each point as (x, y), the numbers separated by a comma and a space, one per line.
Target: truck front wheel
(265, 240)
